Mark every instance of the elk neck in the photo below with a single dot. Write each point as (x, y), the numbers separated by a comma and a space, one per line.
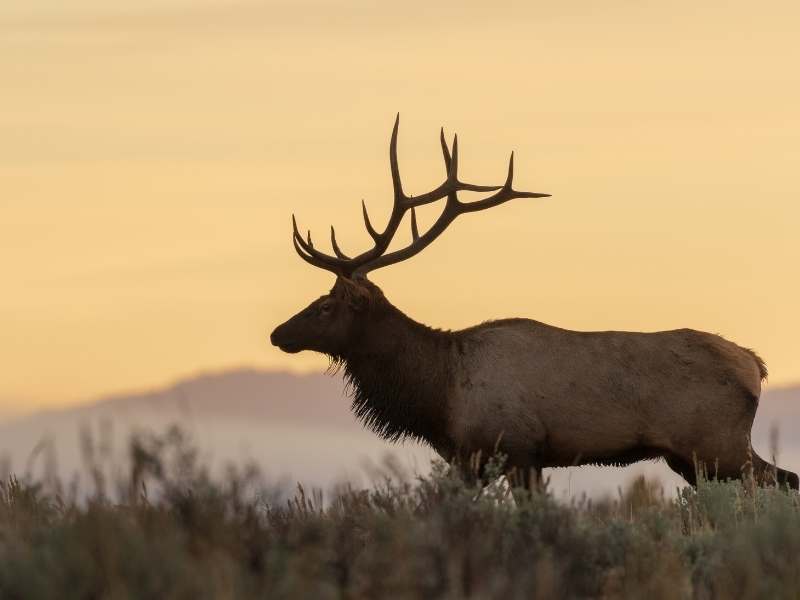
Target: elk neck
(399, 372)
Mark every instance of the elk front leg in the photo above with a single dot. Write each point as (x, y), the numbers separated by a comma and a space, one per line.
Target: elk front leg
(528, 477)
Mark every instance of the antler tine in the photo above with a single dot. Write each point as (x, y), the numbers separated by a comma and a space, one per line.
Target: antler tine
(396, 183)
(295, 231)
(370, 229)
(414, 230)
(336, 248)
(304, 243)
(452, 172)
(510, 179)
(445, 150)
(305, 248)
(312, 260)
(506, 193)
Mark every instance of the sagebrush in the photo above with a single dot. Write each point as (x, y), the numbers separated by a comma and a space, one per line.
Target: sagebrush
(172, 531)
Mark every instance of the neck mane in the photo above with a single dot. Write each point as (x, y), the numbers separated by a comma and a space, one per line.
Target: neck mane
(399, 375)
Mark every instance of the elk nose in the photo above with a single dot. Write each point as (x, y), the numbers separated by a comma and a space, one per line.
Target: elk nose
(273, 338)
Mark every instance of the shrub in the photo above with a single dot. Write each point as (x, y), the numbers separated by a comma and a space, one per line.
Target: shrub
(171, 531)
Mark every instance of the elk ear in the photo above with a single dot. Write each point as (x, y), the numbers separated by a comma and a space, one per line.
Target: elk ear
(360, 301)
(357, 296)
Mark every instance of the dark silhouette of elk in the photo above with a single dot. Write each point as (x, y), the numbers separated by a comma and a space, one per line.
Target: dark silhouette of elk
(541, 395)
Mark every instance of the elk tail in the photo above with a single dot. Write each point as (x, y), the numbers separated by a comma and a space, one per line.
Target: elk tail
(762, 366)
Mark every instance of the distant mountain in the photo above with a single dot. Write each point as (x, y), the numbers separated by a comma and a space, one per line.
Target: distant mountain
(300, 427)
(242, 394)
(294, 426)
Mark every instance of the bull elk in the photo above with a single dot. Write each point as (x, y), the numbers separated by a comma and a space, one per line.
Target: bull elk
(541, 395)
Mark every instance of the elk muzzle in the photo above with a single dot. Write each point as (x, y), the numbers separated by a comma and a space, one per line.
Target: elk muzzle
(282, 338)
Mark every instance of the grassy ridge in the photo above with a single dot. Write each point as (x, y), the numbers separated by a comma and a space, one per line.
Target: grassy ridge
(172, 532)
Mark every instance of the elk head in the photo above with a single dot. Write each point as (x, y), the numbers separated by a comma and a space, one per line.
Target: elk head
(334, 322)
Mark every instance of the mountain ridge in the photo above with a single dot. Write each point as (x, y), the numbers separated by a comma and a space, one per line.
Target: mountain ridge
(247, 391)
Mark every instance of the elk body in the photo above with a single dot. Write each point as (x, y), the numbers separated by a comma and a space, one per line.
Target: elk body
(541, 395)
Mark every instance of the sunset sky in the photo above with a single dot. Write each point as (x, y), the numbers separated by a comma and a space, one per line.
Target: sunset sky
(152, 152)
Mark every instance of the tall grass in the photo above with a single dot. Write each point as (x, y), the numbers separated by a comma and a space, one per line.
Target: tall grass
(170, 531)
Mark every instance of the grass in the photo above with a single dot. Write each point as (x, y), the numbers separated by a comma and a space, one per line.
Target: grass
(171, 532)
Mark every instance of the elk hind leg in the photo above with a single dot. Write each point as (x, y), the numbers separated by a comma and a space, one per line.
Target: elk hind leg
(766, 473)
(744, 462)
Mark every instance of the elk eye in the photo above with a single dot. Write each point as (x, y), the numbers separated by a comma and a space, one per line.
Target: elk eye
(325, 307)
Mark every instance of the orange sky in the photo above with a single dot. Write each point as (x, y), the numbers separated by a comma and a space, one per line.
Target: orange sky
(151, 154)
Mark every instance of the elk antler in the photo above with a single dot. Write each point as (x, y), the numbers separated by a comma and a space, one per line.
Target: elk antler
(376, 257)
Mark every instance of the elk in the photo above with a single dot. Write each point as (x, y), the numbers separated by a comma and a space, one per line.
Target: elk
(540, 395)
